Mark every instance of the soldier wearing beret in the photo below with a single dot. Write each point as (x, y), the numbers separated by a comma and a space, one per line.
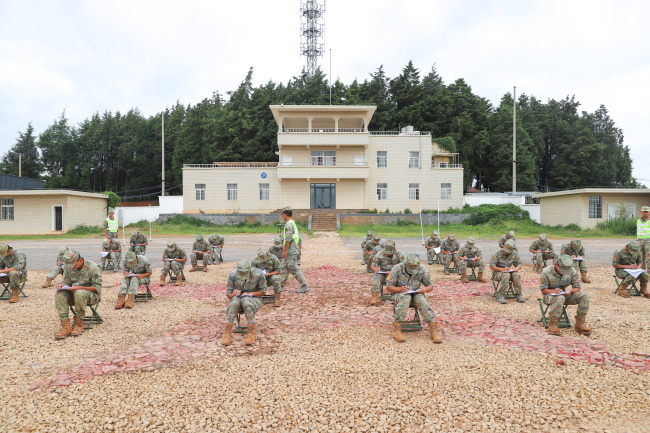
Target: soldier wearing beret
(430, 244)
(244, 288)
(271, 268)
(542, 249)
(133, 264)
(138, 242)
(577, 253)
(174, 259)
(13, 263)
(629, 257)
(506, 264)
(449, 249)
(57, 270)
(643, 236)
(471, 255)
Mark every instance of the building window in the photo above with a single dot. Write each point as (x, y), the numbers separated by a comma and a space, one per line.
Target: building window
(414, 191)
(382, 191)
(414, 159)
(199, 189)
(359, 161)
(445, 191)
(323, 157)
(264, 191)
(595, 207)
(7, 209)
(382, 158)
(287, 160)
(232, 191)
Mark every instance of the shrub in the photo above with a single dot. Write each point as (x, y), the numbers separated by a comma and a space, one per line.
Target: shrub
(495, 213)
(83, 229)
(619, 226)
(407, 210)
(112, 200)
(405, 223)
(188, 220)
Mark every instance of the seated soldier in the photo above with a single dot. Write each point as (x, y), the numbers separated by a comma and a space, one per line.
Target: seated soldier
(577, 252)
(369, 248)
(384, 261)
(430, 244)
(244, 287)
(277, 248)
(200, 251)
(629, 257)
(542, 249)
(471, 255)
(133, 264)
(554, 284)
(14, 265)
(506, 264)
(58, 269)
(363, 246)
(409, 281)
(82, 286)
(138, 242)
(503, 239)
(114, 249)
(449, 250)
(174, 259)
(378, 248)
(270, 267)
(216, 246)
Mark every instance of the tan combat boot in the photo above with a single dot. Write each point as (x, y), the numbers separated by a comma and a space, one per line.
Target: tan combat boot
(277, 302)
(48, 283)
(78, 326)
(251, 334)
(227, 335)
(375, 298)
(162, 280)
(622, 291)
(552, 326)
(129, 301)
(644, 291)
(64, 331)
(435, 334)
(397, 332)
(205, 266)
(193, 268)
(580, 326)
(583, 276)
(120, 301)
(538, 269)
(463, 278)
(480, 279)
(179, 280)
(14, 296)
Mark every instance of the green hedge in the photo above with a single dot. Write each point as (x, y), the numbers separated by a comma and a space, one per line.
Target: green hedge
(485, 213)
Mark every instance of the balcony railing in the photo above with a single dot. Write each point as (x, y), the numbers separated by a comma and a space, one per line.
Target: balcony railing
(416, 133)
(233, 165)
(337, 164)
(443, 166)
(318, 130)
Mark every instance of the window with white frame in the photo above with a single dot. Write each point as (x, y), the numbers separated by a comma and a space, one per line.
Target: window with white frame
(414, 191)
(382, 191)
(445, 191)
(359, 161)
(595, 206)
(287, 160)
(199, 189)
(7, 209)
(323, 157)
(414, 159)
(232, 191)
(382, 158)
(264, 191)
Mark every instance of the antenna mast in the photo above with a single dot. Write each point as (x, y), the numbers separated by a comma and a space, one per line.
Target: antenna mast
(312, 30)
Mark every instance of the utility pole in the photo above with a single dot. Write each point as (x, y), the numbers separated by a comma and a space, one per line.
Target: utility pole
(330, 76)
(514, 139)
(163, 153)
(20, 165)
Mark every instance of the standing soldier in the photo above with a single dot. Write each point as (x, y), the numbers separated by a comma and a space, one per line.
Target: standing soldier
(244, 287)
(430, 244)
(82, 286)
(290, 253)
(471, 255)
(506, 264)
(133, 264)
(554, 284)
(111, 225)
(643, 236)
(200, 251)
(174, 259)
(629, 257)
(503, 239)
(276, 248)
(114, 249)
(58, 269)
(13, 264)
(449, 249)
(542, 249)
(382, 264)
(577, 253)
(363, 246)
(138, 242)
(409, 281)
(271, 268)
(369, 248)
(216, 245)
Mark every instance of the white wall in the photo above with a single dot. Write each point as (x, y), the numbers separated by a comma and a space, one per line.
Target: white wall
(129, 215)
(534, 210)
(518, 200)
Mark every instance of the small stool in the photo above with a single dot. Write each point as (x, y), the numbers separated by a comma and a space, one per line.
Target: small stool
(510, 291)
(268, 299)
(632, 290)
(6, 293)
(563, 321)
(384, 296)
(414, 324)
(473, 276)
(144, 297)
(240, 329)
(94, 319)
(172, 277)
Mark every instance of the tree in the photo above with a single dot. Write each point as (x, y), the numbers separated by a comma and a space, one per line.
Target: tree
(30, 159)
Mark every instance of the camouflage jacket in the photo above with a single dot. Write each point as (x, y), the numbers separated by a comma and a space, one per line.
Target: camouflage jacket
(470, 253)
(400, 278)
(89, 275)
(377, 249)
(500, 260)
(386, 263)
(571, 251)
(364, 241)
(503, 239)
(622, 257)
(216, 240)
(450, 246)
(59, 260)
(552, 280)
(370, 245)
(114, 246)
(201, 246)
(138, 239)
(16, 260)
(277, 252)
(433, 242)
(178, 253)
(253, 282)
(541, 245)
(288, 233)
(141, 266)
(271, 264)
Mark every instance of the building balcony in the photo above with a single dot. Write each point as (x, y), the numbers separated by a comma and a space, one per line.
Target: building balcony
(341, 170)
(322, 137)
(446, 166)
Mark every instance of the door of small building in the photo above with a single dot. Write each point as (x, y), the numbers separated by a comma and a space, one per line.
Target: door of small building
(323, 196)
(57, 218)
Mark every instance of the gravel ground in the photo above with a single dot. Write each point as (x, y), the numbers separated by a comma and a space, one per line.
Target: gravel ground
(325, 361)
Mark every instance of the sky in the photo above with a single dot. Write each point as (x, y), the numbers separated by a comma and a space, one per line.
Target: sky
(87, 56)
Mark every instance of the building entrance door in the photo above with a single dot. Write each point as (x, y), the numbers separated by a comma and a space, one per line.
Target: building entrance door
(323, 196)
(58, 218)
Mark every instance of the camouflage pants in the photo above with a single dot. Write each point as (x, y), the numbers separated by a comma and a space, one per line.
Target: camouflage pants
(580, 266)
(448, 258)
(112, 235)
(64, 299)
(248, 304)
(176, 268)
(377, 281)
(477, 263)
(115, 257)
(557, 302)
(14, 278)
(140, 251)
(215, 254)
(402, 303)
(194, 257)
(130, 285)
(274, 281)
(504, 277)
(290, 266)
(645, 253)
(432, 256)
(57, 270)
(369, 258)
(629, 279)
(538, 258)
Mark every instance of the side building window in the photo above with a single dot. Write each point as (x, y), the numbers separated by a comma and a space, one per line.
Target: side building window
(595, 206)
(445, 191)
(199, 189)
(232, 191)
(7, 209)
(264, 191)
(382, 191)
(382, 158)
(414, 191)
(414, 159)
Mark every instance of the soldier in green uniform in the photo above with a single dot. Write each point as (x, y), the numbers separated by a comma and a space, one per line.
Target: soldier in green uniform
(503, 239)
(244, 287)
(82, 286)
(174, 259)
(430, 244)
(471, 255)
(133, 264)
(57, 270)
(363, 246)
(138, 242)
(200, 251)
(378, 248)
(449, 250)
(629, 257)
(506, 264)
(271, 268)
(542, 249)
(409, 281)
(13, 263)
(290, 253)
(577, 252)
(383, 262)
(369, 248)
(643, 235)
(554, 284)
(216, 246)
(114, 249)
(111, 225)
(276, 248)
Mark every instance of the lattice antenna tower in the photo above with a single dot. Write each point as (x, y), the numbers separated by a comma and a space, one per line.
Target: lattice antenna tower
(312, 31)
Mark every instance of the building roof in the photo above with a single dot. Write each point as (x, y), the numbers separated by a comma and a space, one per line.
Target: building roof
(11, 182)
(52, 192)
(362, 110)
(593, 191)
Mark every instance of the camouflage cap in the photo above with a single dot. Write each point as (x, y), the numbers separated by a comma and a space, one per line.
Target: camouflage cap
(134, 233)
(542, 237)
(106, 243)
(277, 241)
(471, 240)
(390, 247)
(565, 264)
(635, 246)
(451, 237)
(377, 236)
(261, 252)
(70, 258)
(199, 238)
(510, 245)
(130, 257)
(213, 235)
(62, 250)
(511, 234)
(171, 244)
(645, 209)
(369, 233)
(3, 249)
(412, 260)
(435, 233)
(576, 243)
(382, 243)
(243, 269)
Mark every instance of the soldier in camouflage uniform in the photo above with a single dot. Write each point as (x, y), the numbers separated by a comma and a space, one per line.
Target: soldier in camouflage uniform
(174, 259)
(378, 248)
(216, 246)
(271, 267)
(14, 264)
(363, 246)
(629, 257)
(200, 251)
(138, 243)
(407, 276)
(114, 249)
(432, 242)
(503, 239)
(471, 255)
(369, 248)
(276, 248)
(449, 250)
(503, 260)
(244, 288)
(555, 279)
(290, 253)
(542, 249)
(382, 265)
(58, 269)
(576, 250)
(133, 264)
(84, 280)
(111, 225)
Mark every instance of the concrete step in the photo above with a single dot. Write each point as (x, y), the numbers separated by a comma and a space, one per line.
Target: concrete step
(323, 222)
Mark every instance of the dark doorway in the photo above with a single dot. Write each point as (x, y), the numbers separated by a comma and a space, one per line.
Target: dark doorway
(58, 218)
(323, 196)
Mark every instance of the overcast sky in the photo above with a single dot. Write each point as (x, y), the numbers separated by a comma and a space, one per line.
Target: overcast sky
(90, 56)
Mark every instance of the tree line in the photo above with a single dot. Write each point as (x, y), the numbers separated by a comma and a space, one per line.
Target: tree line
(558, 146)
